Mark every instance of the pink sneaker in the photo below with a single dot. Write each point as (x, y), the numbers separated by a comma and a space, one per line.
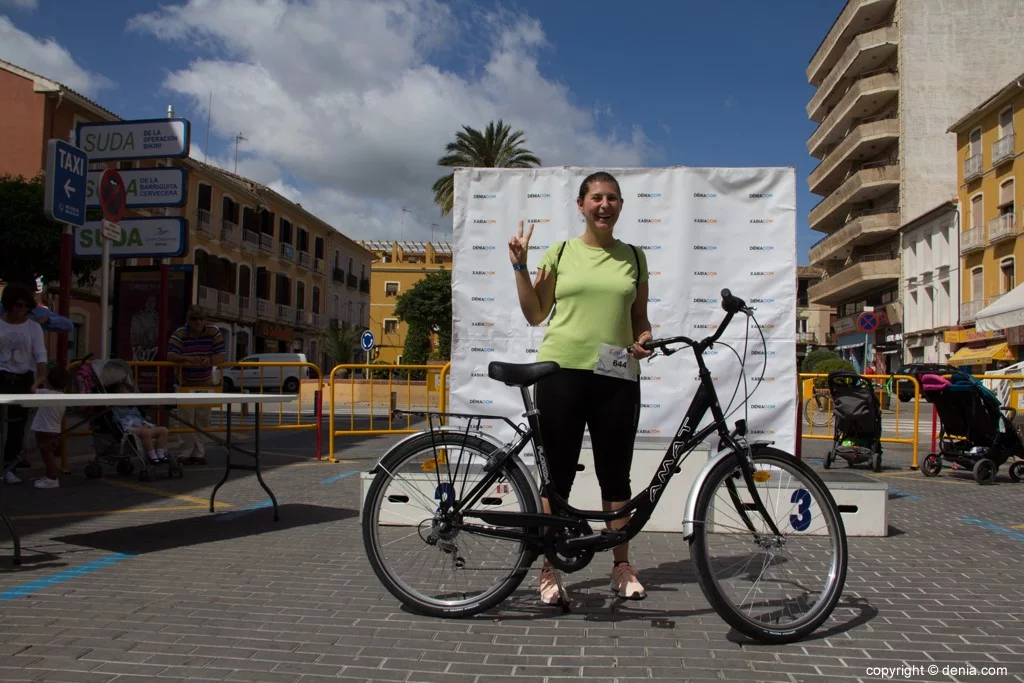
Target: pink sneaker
(626, 582)
(549, 593)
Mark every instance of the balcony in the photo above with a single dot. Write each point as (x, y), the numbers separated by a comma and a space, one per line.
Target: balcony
(352, 281)
(1002, 228)
(266, 243)
(864, 53)
(869, 273)
(263, 308)
(806, 338)
(1002, 149)
(287, 252)
(868, 96)
(226, 304)
(338, 275)
(245, 310)
(972, 240)
(870, 182)
(364, 285)
(203, 224)
(207, 298)
(319, 321)
(855, 14)
(304, 259)
(866, 228)
(229, 232)
(969, 310)
(250, 240)
(866, 140)
(318, 265)
(300, 317)
(972, 167)
(285, 313)
(989, 300)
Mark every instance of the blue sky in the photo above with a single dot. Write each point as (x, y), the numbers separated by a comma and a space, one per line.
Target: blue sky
(665, 82)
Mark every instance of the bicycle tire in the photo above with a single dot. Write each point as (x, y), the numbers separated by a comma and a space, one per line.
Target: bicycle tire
(514, 473)
(815, 415)
(808, 481)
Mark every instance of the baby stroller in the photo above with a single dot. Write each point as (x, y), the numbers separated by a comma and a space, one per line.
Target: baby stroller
(113, 445)
(858, 420)
(977, 432)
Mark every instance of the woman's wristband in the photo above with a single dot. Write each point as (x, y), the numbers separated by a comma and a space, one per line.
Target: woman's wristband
(518, 266)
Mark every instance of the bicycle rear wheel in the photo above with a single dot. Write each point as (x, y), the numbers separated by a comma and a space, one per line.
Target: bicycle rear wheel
(775, 589)
(419, 549)
(816, 411)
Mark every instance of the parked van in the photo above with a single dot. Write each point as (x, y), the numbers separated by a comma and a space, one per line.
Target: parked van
(268, 379)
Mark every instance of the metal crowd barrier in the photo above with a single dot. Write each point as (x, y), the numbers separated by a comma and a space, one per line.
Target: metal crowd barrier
(374, 397)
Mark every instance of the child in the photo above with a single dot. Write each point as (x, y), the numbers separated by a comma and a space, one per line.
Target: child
(47, 425)
(132, 422)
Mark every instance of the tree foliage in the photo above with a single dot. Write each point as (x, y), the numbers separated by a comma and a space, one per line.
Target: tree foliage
(340, 342)
(427, 309)
(498, 146)
(31, 241)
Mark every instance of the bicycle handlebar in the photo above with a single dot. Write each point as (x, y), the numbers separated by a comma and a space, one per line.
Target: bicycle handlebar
(730, 304)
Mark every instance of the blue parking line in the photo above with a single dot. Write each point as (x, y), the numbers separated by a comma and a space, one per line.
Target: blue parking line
(1015, 535)
(67, 575)
(338, 477)
(903, 494)
(235, 514)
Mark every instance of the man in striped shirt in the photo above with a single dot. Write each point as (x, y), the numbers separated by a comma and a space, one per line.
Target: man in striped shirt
(198, 346)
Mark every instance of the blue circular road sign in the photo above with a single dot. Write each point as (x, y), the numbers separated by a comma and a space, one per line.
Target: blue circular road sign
(366, 341)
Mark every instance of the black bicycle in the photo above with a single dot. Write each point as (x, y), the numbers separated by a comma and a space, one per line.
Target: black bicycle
(453, 520)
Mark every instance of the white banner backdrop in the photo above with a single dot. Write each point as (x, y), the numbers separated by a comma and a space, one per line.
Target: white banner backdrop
(701, 229)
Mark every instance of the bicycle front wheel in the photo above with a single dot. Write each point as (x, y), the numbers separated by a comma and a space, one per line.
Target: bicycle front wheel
(773, 588)
(816, 411)
(419, 548)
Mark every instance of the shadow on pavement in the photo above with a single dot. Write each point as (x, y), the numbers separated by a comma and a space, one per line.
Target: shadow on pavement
(179, 533)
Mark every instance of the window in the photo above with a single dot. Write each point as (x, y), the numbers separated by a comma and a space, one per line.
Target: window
(285, 231)
(1006, 203)
(350, 264)
(977, 284)
(1006, 275)
(1006, 122)
(390, 289)
(801, 325)
(205, 199)
(977, 211)
(390, 325)
(975, 143)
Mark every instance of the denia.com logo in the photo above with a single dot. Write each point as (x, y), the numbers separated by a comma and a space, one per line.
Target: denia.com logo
(484, 221)
(709, 221)
(483, 273)
(648, 195)
(537, 195)
(704, 195)
(653, 300)
(761, 195)
(761, 352)
(484, 299)
(648, 220)
(762, 300)
(650, 405)
(538, 247)
(705, 300)
(762, 247)
(648, 247)
(485, 196)
(710, 352)
(705, 273)
(482, 349)
(481, 401)
(483, 247)
(705, 247)
(762, 406)
(531, 350)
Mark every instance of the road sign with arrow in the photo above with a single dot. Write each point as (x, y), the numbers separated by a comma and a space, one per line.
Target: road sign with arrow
(67, 169)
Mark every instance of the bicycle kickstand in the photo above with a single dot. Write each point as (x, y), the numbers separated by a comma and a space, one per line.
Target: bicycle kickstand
(564, 601)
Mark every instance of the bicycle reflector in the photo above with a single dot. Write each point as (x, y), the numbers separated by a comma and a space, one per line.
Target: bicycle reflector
(762, 476)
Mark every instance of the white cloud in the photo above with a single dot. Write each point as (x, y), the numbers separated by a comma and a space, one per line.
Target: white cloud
(349, 97)
(47, 58)
(20, 4)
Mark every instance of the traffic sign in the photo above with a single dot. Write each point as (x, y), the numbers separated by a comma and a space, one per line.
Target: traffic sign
(867, 322)
(66, 173)
(366, 341)
(112, 195)
(139, 139)
(159, 236)
(111, 231)
(144, 187)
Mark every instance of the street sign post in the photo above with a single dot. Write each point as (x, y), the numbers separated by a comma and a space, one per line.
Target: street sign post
(112, 199)
(139, 139)
(66, 174)
(366, 341)
(867, 322)
(144, 187)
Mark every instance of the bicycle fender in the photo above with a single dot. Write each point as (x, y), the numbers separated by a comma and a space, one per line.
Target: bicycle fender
(698, 484)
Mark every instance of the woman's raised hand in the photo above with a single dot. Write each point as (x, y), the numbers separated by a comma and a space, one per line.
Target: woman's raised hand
(519, 245)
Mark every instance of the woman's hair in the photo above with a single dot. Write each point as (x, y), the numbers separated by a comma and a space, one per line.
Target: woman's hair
(15, 292)
(599, 177)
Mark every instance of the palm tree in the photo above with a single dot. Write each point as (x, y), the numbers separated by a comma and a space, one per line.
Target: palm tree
(340, 342)
(497, 147)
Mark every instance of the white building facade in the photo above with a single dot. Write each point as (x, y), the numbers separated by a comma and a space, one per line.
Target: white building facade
(930, 283)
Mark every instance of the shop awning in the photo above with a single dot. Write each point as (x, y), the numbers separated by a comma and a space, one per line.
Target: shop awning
(982, 355)
(1007, 311)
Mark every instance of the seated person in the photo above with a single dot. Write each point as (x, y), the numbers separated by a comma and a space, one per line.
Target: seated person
(154, 438)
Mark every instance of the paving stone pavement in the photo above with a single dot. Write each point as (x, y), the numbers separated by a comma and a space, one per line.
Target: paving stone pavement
(124, 581)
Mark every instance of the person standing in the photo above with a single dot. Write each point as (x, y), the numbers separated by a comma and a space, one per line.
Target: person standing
(600, 286)
(198, 346)
(22, 365)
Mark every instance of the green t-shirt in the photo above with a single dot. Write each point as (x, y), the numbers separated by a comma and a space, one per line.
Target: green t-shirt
(594, 293)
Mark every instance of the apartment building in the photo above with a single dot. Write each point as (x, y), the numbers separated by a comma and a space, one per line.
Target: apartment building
(988, 159)
(812, 320)
(889, 75)
(397, 267)
(930, 283)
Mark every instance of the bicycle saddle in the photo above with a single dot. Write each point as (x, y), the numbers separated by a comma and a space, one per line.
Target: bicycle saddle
(521, 374)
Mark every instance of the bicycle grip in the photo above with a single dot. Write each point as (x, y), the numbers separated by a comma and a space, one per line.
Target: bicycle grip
(730, 303)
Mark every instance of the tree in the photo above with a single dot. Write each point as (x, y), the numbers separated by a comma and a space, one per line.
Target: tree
(340, 342)
(497, 147)
(31, 240)
(427, 308)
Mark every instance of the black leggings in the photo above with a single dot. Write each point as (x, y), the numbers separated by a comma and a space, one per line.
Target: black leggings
(609, 407)
(17, 416)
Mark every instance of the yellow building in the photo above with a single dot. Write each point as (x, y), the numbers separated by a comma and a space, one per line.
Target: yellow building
(396, 268)
(989, 158)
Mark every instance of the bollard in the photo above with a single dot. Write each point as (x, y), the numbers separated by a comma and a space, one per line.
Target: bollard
(318, 407)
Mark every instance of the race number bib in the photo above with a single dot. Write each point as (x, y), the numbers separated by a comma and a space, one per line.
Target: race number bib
(615, 361)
